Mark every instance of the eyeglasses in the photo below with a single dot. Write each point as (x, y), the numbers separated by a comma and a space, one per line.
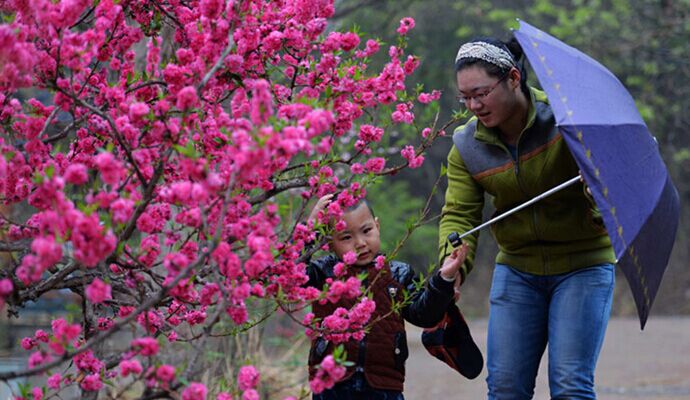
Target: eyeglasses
(464, 100)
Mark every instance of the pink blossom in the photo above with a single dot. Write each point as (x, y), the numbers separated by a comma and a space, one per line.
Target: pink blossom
(195, 391)
(87, 362)
(350, 257)
(47, 251)
(41, 336)
(76, 174)
(91, 243)
(64, 331)
(340, 269)
(406, 24)
(105, 324)
(6, 287)
(413, 160)
(122, 210)
(261, 104)
(211, 8)
(125, 311)
(410, 65)
(348, 289)
(248, 377)
(91, 383)
(250, 394)
(150, 249)
(375, 164)
(110, 168)
(327, 375)
(224, 396)
(380, 261)
(151, 321)
(38, 358)
(402, 114)
(187, 98)
(165, 373)
(54, 381)
(357, 168)
(372, 47)
(426, 98)
(98, 291)
(137, 111)
(130, 367)
(28, 343)
(370, 133)
(147, 346)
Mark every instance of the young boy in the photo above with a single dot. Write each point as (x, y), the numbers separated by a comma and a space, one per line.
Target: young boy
(378, 360)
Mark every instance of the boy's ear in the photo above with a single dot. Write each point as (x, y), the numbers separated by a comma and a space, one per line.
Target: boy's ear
(378, 225)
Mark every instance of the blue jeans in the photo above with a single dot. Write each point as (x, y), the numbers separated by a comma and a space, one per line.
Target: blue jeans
(568, 311)
(357, 388)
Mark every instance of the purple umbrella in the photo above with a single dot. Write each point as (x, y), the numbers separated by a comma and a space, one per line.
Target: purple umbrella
(617, 155)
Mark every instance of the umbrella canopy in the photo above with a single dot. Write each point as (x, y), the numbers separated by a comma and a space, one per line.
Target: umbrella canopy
(617, 155)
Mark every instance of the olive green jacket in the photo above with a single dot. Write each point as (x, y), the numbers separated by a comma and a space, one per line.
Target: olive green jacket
(558, 234)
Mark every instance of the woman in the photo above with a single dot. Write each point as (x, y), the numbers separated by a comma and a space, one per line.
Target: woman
(554, 275)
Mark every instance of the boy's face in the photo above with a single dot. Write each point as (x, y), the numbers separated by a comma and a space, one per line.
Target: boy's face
(361, 235)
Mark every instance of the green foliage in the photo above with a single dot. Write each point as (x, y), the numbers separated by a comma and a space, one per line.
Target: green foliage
(395, 208)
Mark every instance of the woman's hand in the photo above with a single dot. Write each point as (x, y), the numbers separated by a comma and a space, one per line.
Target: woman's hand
(452, 264)
(318, 207)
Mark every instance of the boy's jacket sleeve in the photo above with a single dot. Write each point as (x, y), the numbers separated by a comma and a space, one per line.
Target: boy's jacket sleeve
(462, 210)
(427, 304)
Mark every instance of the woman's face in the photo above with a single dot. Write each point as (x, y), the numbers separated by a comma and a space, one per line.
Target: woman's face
(490, 98)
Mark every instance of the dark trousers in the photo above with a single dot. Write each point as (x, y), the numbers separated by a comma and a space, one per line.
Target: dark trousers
(357, 388)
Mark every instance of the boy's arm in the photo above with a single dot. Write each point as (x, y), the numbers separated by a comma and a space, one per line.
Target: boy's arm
(428, 305)
(317, 269)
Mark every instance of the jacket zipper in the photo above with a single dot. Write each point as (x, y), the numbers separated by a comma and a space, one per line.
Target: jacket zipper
(361, 354)
(516, 163)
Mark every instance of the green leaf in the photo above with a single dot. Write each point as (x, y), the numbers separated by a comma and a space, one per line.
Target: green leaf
(50, 171)
(188, 150)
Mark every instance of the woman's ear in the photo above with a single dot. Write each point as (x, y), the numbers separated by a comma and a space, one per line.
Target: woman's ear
(514, 77)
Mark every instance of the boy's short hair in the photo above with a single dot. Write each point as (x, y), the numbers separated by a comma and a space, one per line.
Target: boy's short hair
(359, 202)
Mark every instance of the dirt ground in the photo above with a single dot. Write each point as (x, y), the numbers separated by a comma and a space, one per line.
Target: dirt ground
(653, 364)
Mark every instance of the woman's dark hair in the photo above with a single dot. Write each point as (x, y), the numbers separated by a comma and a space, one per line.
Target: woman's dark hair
(511, 46)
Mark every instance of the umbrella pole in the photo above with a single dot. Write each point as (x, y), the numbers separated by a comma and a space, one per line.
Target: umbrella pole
(523, 205)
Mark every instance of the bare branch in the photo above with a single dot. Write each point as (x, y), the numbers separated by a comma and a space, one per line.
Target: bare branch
(219, 62)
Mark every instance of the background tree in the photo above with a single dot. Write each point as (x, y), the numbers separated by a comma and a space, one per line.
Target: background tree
(157, 162)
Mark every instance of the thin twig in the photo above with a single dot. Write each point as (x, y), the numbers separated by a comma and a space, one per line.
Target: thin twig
(218, 63)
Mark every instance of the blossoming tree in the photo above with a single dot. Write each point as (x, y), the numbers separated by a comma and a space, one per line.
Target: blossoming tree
(163, 166)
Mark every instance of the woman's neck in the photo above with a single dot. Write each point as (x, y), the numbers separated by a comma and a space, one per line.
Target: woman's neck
(512, 127)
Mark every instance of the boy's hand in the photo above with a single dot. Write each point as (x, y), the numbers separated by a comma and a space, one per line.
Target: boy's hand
(319, 206)
(452, 264)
